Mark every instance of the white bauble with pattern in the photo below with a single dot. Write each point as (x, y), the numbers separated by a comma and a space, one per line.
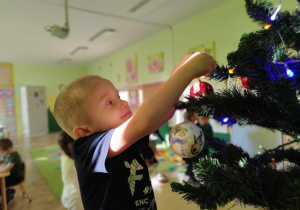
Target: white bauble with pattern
(186, 139)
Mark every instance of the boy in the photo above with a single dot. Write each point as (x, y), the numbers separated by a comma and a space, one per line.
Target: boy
(13, 164)
(111, 171)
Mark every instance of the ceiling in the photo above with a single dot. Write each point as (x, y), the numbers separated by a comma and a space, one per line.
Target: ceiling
(24, 38)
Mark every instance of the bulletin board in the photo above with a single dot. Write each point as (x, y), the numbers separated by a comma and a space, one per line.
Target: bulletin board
(6, 74)
(131, 69)
(7, 102)
(7, 109)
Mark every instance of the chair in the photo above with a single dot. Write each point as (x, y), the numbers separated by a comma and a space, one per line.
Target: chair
(22, 184)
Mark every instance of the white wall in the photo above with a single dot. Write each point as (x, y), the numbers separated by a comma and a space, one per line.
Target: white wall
(249, 138)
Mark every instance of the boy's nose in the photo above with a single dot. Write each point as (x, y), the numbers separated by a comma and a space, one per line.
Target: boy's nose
(124, 103)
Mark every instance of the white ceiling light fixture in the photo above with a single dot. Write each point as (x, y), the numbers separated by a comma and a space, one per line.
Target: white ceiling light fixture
(77, 49)
(103, 34)
(138, 6)
(65, 61)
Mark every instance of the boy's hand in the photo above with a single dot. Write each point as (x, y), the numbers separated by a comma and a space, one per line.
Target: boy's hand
(198, 63)
(182, 60)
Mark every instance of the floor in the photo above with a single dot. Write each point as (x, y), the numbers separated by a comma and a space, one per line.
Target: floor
(43, 198)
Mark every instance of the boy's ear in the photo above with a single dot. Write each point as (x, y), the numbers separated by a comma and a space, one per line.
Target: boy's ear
(81, 131)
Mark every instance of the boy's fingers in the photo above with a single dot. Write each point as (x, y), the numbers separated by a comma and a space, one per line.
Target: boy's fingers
(213, 63)
(207, 74)
(210, 59)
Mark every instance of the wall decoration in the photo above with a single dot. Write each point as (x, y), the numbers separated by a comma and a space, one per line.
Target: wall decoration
(209, 48)
(156, 62)
(6, 74)
(131, 69)
(7, 109)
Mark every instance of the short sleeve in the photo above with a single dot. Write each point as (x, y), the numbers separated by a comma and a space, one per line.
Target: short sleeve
(14, 158)
(100, 146)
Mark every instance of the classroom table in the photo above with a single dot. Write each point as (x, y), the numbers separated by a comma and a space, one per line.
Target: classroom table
(3, 189)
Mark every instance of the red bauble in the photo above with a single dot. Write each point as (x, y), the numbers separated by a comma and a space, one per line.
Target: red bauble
(201, 88)
(246, 82)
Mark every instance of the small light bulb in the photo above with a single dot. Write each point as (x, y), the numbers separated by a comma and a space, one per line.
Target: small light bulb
(231, 71)
(225, 120)
(289, 73)
(273, 17)
(267, 26)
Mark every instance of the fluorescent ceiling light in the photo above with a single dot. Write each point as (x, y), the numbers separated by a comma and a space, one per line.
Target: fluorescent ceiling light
(65, 61)
(138, 6)
(103, 34)
(77, 49)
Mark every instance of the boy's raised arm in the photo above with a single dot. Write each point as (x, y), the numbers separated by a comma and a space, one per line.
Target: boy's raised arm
(156, 108)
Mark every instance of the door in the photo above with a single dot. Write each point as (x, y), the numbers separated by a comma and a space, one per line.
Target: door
(34, 110)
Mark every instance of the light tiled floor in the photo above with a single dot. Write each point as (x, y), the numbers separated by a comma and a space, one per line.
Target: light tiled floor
(43, 198)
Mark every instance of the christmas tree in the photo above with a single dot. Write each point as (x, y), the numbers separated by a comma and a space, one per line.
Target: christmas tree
(268, 63)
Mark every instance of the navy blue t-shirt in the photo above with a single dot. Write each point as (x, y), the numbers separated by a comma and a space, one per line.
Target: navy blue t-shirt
(121, 182)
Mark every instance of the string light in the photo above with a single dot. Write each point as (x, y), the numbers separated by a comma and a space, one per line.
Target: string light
(267, 26)
(225, 120)
(273, 17)
(274, 164)
(289, 72)
(231, 71)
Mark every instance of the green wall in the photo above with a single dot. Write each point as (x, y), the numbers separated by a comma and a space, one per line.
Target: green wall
(224, 24)
(50, 76)
(45, 75)
(113, 65)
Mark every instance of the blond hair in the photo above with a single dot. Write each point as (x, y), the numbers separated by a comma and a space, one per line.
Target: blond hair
(69, 107)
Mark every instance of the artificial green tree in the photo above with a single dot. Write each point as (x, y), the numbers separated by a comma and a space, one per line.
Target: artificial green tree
(268, 62)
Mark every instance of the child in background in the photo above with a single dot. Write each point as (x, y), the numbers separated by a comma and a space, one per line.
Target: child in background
(149, 156)
(70, 198)
(111, 172)
(190, 116)
(148, 150)
(13, 164)
(203, 123)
